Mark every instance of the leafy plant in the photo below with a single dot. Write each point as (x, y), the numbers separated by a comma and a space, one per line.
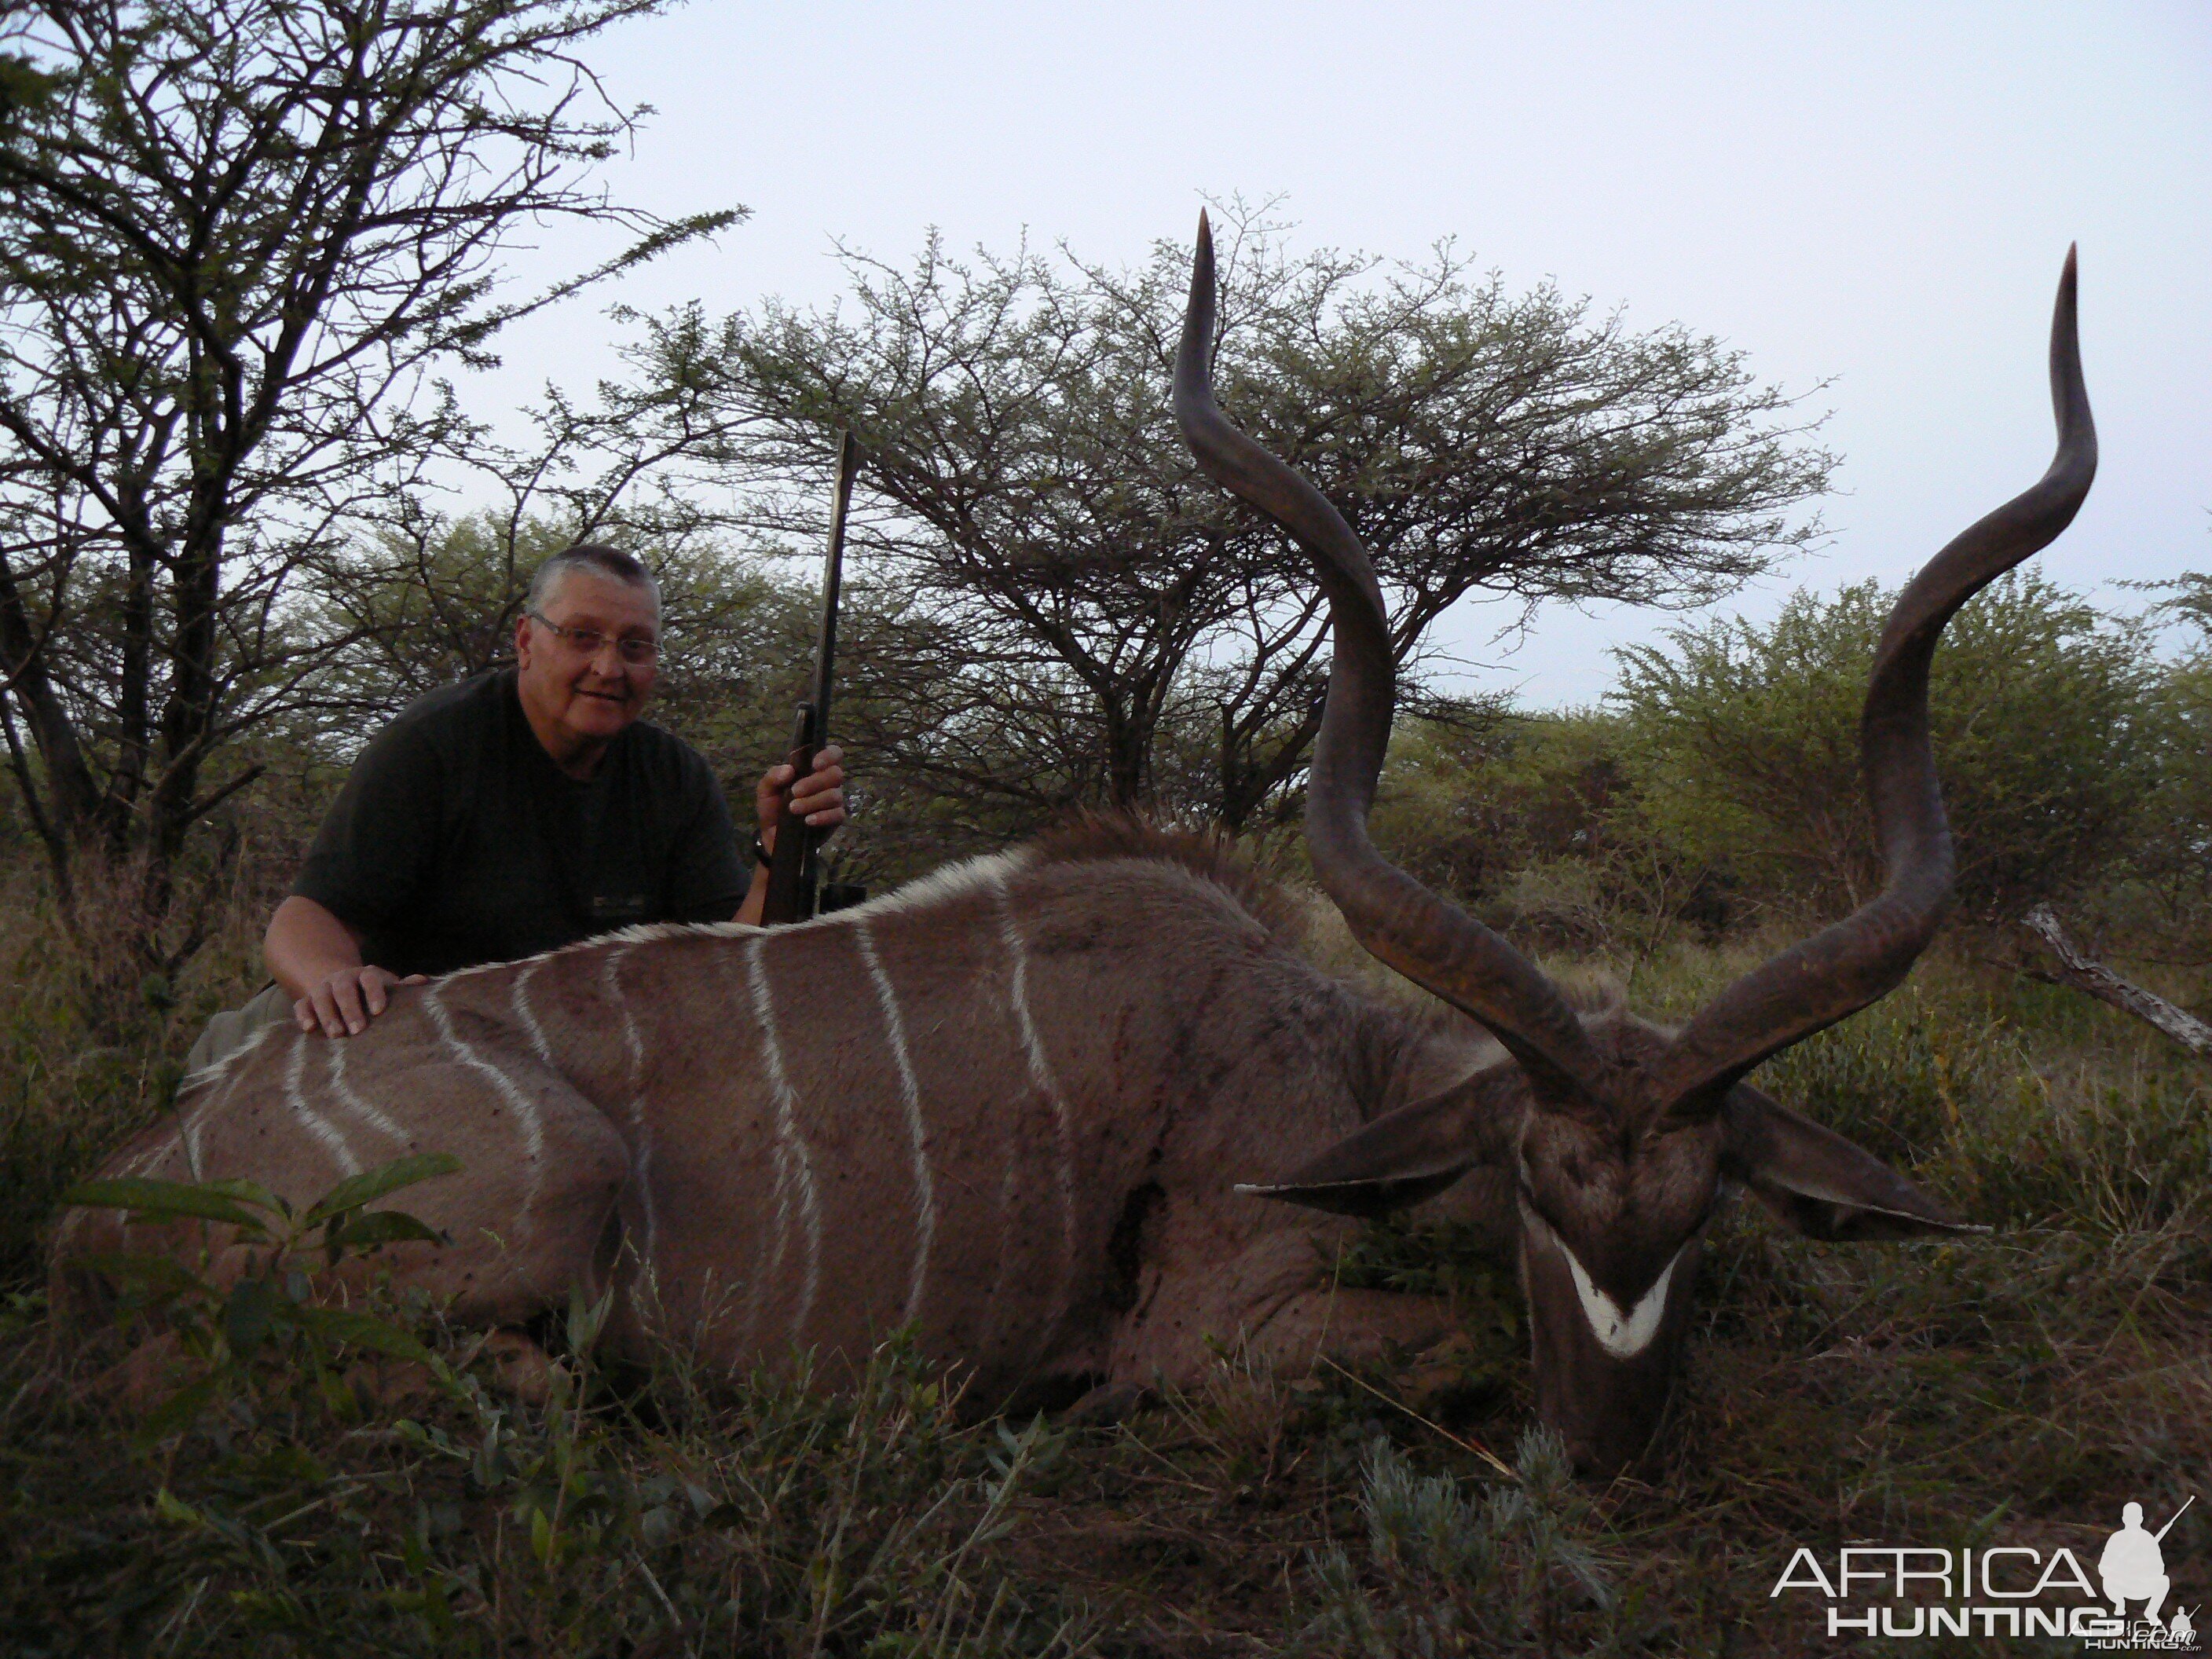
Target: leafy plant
(269, 1506)
(273, 1320)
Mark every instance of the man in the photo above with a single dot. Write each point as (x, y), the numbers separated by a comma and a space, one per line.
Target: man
(517, 812)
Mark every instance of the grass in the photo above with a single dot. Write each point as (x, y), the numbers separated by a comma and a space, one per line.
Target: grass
(777, 1520)
(2020, 1386)
(93, 1037)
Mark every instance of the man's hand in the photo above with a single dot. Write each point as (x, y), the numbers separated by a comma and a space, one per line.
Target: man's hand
(819, 800)
(317, 958)
(344, 1003)
(819, 797)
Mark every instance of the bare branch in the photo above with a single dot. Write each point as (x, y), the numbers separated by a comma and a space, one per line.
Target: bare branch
(2094, 978)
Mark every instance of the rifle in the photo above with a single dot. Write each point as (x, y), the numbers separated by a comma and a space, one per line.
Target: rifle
(790, 869)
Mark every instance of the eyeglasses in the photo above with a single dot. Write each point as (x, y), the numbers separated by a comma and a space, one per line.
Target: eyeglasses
(634, 650)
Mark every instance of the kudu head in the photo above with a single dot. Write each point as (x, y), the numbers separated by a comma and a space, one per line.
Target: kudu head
(1621, 1134)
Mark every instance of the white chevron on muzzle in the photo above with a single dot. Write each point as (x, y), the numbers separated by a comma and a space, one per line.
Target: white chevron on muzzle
(1623, 1333)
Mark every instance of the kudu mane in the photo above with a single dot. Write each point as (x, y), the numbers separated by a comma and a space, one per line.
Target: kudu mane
(1207, 854)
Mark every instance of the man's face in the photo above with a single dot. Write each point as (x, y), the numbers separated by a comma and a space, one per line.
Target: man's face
(586, 698)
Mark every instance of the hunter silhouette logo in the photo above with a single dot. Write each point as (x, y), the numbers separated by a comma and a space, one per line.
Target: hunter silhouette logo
(2007, 1589)
(2133, 1567)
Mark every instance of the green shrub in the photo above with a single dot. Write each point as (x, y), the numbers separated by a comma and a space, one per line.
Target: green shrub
(2044, 710)
(1890, 1077)
(277, 1509)
(1534, 822)
(1466, 803)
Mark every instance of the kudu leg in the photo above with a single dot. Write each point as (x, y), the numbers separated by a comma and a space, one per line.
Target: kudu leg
(1273, 1303)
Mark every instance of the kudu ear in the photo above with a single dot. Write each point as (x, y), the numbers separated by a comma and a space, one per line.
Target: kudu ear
(1410, 1154)
(1819, 1183)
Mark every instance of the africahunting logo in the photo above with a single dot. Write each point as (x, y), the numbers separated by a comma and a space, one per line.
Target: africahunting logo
(2006, 1590)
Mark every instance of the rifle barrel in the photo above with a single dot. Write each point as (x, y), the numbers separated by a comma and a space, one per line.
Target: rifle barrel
(825, 649)
(787, 899)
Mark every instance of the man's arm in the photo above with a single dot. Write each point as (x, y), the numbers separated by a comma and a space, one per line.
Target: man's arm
(820, 800)
(317, 958)
(369, 858)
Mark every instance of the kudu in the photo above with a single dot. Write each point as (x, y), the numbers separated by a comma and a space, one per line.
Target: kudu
(1013, 1118)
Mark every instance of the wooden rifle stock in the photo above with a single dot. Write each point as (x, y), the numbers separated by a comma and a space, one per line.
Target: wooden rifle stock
(791, 866)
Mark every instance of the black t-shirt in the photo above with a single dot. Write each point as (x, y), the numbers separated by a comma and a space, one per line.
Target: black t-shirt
(457, 840)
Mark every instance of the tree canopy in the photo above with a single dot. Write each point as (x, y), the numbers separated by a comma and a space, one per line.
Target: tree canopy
(1077, 617)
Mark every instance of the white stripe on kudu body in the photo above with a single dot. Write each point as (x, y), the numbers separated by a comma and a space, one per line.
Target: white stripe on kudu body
(524, 1107)
(229, 1066)
(218, 1079)
(520, 996)
(640, 1160)
(925, 1198)
(369, 1113)
(313, 1122)
(791, 1148)
(1040, 1075)
(1009, 1196)
(767, 1265)
(189, 1138)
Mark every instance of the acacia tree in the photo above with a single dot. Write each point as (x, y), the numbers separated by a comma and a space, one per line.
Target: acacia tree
(235, 238)
(1084, 618)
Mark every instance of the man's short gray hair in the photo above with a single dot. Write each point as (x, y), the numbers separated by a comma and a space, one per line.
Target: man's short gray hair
(595, 556)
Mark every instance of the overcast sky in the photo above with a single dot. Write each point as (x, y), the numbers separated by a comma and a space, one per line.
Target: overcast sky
(1880, 196)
